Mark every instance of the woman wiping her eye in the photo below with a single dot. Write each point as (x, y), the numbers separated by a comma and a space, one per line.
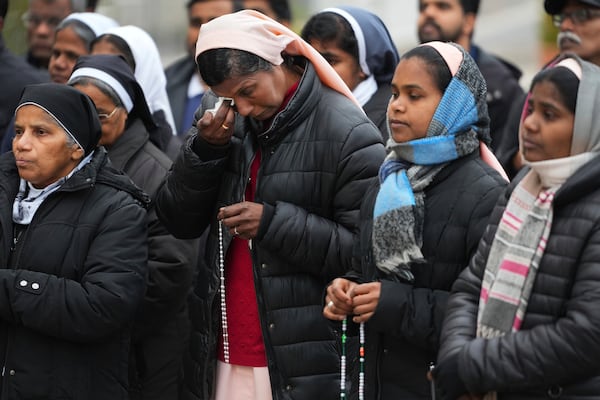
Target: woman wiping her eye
(277, 177)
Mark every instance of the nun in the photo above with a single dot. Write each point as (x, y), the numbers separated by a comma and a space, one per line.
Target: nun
(358, 45)
(73, 247)
(73, 38)
(161, 322)
(140, 51)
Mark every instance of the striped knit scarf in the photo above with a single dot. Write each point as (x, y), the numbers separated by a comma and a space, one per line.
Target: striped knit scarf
(454, 132)
(514, 258)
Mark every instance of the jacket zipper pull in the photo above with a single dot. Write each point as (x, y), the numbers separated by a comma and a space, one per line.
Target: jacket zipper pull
(431, 382)
(15, 239)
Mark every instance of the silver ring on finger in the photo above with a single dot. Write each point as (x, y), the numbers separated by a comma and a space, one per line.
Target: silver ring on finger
(330, 304)
(235, 231)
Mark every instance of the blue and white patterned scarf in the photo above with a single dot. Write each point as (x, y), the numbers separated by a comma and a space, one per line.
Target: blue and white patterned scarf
(459, 123)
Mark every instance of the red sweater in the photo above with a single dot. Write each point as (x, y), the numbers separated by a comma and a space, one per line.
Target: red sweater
(246, 345)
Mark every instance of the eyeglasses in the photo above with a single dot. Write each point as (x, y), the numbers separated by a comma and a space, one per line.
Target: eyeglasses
(106, 117)
(578, 17)
(33, 21)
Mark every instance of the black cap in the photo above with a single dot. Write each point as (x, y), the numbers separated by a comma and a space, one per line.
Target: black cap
(555, 6)
(118, 69)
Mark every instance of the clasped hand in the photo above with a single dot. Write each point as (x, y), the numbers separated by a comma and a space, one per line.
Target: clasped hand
(345, 297)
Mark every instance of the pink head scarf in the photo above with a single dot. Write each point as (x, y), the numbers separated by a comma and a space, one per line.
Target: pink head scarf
(258, 34)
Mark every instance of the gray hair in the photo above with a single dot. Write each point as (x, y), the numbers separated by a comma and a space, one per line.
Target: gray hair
(71, 141)
(106, 89)
(84, 32)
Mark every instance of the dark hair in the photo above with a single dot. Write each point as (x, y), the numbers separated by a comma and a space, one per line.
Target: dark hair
(470, 6)
(90, 5)
(282, 9)
(3, 8)
(120, 44)
(565, 81)
(330, 27)
(434, 63)
(190, 3)
(218, 65)
(84, 32)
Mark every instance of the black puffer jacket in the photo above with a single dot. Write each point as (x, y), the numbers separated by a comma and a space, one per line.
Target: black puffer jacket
(503, 90)
(162, 320)
(318, 158)
(556, 354)
(69, 291)
(402, 336)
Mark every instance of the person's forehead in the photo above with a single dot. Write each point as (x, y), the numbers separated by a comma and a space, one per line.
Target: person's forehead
(454, 3)
(211, 9)
(264, 6)
(58, 8)
(68, 38)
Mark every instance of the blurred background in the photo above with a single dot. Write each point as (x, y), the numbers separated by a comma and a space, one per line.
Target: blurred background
(517, 30)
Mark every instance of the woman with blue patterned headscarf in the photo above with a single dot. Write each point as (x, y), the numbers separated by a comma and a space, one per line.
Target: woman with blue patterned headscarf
(422, 222)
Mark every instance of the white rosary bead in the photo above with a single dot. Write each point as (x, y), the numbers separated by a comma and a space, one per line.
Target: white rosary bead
(361, 375)
(222, 290)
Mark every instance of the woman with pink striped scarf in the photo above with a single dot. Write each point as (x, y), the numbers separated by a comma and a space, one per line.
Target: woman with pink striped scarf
(523, 320)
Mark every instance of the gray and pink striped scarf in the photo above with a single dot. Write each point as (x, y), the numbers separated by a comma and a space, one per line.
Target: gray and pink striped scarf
(514, 257)
(524, 228)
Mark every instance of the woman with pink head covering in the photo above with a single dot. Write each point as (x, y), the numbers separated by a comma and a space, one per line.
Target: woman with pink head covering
(276, 171)
(523, 321)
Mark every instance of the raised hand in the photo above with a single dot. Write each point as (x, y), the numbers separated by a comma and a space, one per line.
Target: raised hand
(216, 126)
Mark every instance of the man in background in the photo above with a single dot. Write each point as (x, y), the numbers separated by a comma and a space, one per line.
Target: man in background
(90, 5)
(41, 19)
(184, 86)
(454, 20)
(15, 74)
(279, 10)
(579, 25)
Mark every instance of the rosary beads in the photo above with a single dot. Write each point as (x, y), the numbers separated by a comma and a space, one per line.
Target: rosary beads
(222, 290)
(343, 361)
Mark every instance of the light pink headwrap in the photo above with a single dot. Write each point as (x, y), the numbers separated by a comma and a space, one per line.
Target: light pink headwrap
(258, 34)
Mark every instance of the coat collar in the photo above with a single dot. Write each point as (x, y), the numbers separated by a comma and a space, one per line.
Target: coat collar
(128, 144)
